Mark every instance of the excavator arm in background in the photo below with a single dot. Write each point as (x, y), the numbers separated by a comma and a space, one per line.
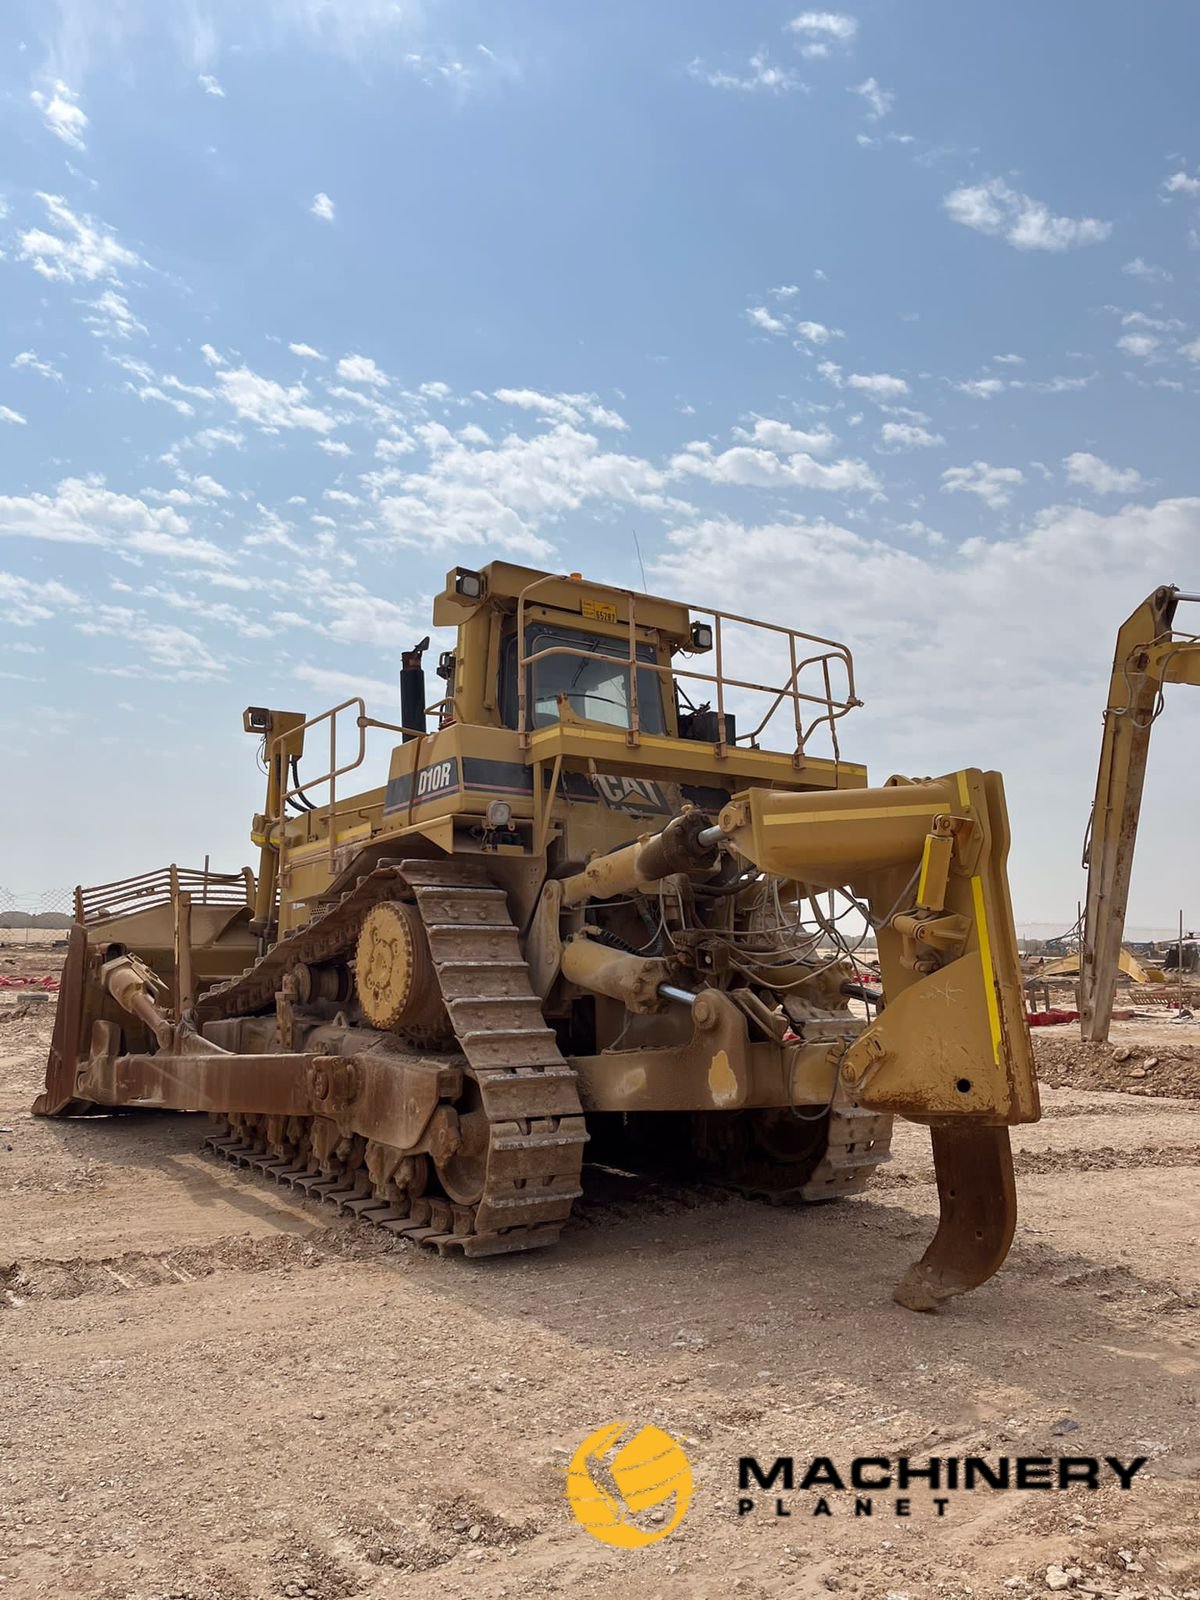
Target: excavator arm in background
(1149, 654)
(952, 1049)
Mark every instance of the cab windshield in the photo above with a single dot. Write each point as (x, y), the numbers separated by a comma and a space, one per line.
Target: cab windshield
(596, 685)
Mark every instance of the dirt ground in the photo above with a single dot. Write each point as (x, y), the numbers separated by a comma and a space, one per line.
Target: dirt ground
(212, 1391)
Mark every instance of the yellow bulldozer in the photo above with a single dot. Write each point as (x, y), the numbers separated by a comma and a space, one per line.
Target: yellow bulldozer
(588, 915)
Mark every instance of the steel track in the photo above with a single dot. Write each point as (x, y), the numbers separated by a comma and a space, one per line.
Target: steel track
(536, 1129)
(535, 1126)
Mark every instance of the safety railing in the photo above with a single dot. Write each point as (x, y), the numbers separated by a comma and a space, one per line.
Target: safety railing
(101, 901)
(299, 791)
(829, 657)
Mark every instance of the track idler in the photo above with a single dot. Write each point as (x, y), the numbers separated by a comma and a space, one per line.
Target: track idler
(978, 1198)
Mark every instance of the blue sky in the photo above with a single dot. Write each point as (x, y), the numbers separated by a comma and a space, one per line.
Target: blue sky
(880, 322)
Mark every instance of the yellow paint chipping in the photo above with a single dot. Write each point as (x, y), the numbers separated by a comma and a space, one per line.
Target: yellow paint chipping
(722, 1080)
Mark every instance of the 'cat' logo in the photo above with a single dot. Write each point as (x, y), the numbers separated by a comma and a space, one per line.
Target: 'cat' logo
(629, 794)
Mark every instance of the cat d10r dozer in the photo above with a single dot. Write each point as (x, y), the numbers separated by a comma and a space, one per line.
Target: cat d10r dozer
(585, 905)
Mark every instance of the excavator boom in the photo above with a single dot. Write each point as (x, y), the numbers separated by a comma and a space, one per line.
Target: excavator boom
(1149, 653)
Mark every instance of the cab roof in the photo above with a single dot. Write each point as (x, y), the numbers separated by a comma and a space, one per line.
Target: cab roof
(571, 593)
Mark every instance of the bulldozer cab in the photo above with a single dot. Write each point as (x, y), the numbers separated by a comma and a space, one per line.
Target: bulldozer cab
(536, 650)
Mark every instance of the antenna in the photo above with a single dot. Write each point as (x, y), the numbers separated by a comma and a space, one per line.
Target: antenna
(641, 563)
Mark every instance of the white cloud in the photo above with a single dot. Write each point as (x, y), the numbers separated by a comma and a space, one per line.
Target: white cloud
(211, 438)
(784, 291)
(1142, 345)
(210, 85)
(907, 436)
(34, 363)
(816, 332)
(244, 623)
(764, 319)
(819, 31)
(1181, 183)
(1137, 268)
(1056, 385)
(344, 684)
(353, 615)
(1139, 319)
(1009, 360)
(7, 414)
(996, 209)
(919, 530)
(181, 655)
(111, 318)
(81, 251)
(85, 511)
(269, 405)
(151, 391)
(505, 495)
(782, 437)
(1191, 350)
(28, 601)
(569, 408)
(993, 485)
(307, 351)
(765, 469)
(1090, 472)
(760, 78)
(362, 369)
(981, 388)
(201, 490)
(323, 208)
(213, 357)
(62, 113)
(366, 401)
(878, 101)
(880, 386)
(207, 486)
(334, 447)
(402, 445)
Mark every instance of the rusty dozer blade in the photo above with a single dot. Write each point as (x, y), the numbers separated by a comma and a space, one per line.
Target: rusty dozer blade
(978, 1198)
(952, 1048)
(58, 1097)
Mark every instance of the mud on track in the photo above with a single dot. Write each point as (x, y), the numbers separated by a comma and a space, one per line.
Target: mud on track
(210, 1390)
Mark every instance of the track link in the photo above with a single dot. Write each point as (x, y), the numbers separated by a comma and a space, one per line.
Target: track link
(859, 1141)
(535, 1125)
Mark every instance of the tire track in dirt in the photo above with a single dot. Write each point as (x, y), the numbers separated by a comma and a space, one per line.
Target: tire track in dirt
(51, 1278)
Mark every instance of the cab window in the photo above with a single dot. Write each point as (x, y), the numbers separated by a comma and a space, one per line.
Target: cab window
(594, 678)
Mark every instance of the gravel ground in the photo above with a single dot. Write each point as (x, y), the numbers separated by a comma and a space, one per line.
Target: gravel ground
(208, 1390)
